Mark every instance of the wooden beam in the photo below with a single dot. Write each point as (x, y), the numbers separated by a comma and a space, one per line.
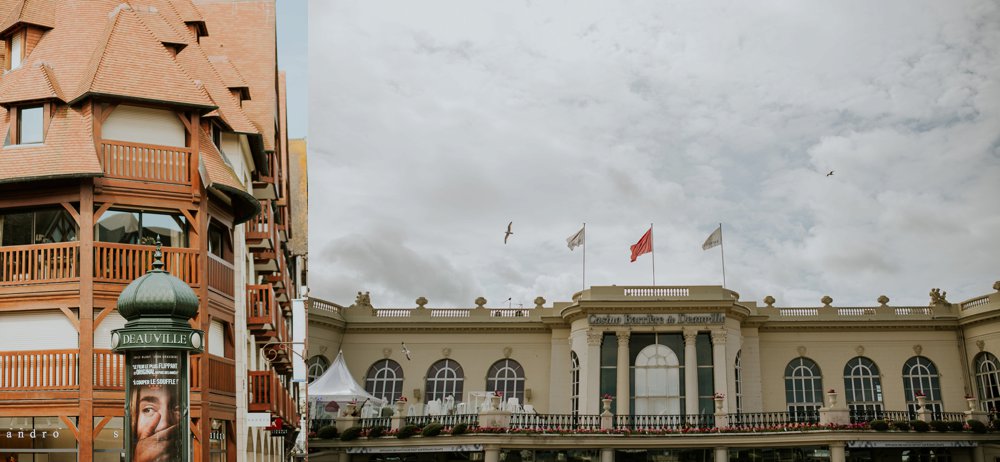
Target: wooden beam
(192, 219)
(187, 122)
(106, 111)
(100, 210)
(103, 314)
(72, 211)
(72, 317)
(101, 424)
(71, 426)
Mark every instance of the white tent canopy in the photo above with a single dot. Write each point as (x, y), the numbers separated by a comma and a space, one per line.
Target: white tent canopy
(337, 384)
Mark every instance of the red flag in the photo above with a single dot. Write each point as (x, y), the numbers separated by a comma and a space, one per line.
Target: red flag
(645, 244)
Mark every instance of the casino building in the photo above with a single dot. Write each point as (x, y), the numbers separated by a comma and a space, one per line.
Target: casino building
(664, 373)
(124, 123)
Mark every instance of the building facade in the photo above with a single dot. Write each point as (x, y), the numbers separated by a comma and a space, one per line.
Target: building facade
(128, 123)
(668, 373)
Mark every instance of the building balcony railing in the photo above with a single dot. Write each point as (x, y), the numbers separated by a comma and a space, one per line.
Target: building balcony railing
(221, 374)
(39, 370)
(146, 162)
(264, 186)
(39, 263)
(264, 317)
(109, 370)
(123, 263)
(221, 275)
(267, 394)
(260, 230)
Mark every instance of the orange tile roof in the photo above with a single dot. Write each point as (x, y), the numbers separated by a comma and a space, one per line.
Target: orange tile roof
(68, 150)
(160, 28)
(245, 32)
(37, 12)
(216, 173)
(30, 83)
(159, 78)
(230, 75)
(187, 11)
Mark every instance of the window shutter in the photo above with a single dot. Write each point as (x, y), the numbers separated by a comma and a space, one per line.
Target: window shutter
(217, 339)
(48, 330)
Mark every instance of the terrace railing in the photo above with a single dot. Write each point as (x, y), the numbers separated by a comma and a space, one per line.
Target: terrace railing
(666, 421)
(26, 264)
(146, 162)
(555, 421)
(123, 263)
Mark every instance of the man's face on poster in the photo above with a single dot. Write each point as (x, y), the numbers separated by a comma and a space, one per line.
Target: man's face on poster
(157, 416)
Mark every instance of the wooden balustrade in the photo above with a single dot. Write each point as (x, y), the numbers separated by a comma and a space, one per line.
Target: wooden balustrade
(125, 262)
(109, 370)
(267, 394)
(146, 162)
(221, 374)
(260, 229)
(262, 309)
(24, 264)
(221, 275)
(195, 377)
(39, 370)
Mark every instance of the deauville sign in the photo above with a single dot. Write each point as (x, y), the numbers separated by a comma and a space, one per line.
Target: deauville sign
(655, 319)
(161, 338)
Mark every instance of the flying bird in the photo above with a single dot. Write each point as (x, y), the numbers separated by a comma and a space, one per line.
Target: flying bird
(406, 351)
(830, 174)
(506, 235)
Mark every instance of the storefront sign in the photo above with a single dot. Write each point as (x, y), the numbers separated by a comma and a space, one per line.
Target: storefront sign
(655, 319)
(258, 419)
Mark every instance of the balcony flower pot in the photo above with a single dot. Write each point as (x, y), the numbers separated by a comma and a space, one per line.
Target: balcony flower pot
(606, 404)
(718, 403)
(971, 403)
(831, 397)
(495, 402)
(921, 402)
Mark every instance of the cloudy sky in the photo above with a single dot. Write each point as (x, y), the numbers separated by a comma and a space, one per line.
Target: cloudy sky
(434, 123)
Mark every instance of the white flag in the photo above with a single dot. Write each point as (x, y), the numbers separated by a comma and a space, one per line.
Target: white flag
(714, 239)
(576, 239)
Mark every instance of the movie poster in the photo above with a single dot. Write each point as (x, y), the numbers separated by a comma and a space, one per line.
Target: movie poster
(157, 406)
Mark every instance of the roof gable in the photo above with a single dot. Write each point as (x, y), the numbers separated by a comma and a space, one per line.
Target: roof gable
(29, 83)
(37, 12)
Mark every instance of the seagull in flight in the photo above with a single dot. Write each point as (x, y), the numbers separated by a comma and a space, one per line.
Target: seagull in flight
(406, 351)
(830, 174)
(506, 235)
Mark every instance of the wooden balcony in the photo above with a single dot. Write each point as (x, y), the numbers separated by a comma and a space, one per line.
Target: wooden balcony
(123, 263)
(267, 394)
(221, 374)
(264, 317)
(146, 162)
(39, 263)
(40, 370)
(264, 185)
(260, 230)
(109, 370)
(221, 277)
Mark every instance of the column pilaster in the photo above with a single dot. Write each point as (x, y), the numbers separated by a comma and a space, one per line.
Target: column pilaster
(590, 389)
(690, 372)
(720, 369)
(622, 398)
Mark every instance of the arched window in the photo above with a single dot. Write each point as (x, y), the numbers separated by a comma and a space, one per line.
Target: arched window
(574, 380)
(385, 380)
(317, 366)
(920, 375)
(507, 377)
(738, 384)
(803, 389)
(444, 378)
(988, 379)
(863, 387)
(657, 381)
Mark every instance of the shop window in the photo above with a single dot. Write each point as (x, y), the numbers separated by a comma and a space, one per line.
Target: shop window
(803, 390)
(141, 227)
(988, 380)
(507, 377)
(37, 439)
(37, 227)
(217, 441)
(445, 378)
(920, 375)
(109, 443)
(385, 380)
(863, 388)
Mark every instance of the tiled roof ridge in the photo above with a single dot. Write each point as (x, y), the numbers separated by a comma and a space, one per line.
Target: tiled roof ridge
(50, 78)
(216, 74)
(97, 57)
(153, 10)
(225, 58)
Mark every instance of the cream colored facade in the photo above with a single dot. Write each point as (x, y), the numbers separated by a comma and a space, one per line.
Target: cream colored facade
(610, 330)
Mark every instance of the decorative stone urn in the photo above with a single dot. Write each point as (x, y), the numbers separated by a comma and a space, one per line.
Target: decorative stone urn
(349, 409)
(606, 405)
(718, 404)
(831, 397)
(921, 402)
(495, 402)
(970, 402)
(400, 407)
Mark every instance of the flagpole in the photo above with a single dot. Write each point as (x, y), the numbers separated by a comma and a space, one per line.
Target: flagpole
(584, 287)
(652, 249)
(723, 246)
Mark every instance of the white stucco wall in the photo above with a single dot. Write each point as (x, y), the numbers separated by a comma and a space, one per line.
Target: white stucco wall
(144, 125)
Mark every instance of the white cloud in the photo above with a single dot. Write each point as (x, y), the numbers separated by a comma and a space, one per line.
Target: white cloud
(435, 123)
